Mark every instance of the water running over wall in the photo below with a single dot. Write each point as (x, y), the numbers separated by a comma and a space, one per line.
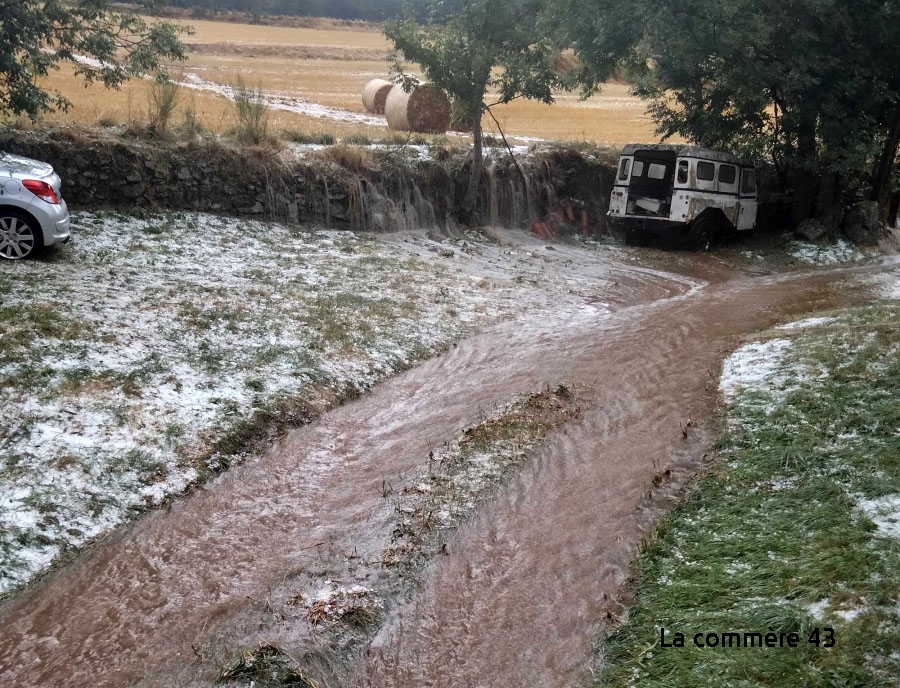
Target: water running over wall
(546, 191)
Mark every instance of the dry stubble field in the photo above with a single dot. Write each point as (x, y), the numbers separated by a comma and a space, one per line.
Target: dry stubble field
(328, 66)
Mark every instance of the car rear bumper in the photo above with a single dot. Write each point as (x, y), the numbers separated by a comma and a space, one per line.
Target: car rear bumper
(54, 221)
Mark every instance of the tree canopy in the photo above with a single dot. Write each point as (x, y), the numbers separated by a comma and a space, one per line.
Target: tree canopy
(811, 83)
(472, 47)
(103, 45)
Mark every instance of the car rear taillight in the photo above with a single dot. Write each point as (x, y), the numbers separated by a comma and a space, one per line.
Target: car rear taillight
(42, 190)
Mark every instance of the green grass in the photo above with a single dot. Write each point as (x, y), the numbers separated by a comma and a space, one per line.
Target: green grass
(20, 325)
(776, 526)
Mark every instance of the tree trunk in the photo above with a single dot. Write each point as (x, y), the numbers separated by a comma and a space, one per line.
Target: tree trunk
(829, 201)
(803, 175)
(888, 154)
(471, 199)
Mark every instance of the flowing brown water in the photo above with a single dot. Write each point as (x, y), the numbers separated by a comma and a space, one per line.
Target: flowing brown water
(518, 597)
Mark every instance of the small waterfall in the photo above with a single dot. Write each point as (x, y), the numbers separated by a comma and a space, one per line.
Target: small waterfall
(545, 193)
(555, 186)
(515, 199)
(398, 205)
(493, 205)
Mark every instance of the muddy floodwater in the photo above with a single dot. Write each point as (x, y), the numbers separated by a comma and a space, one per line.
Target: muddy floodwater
(517, 598)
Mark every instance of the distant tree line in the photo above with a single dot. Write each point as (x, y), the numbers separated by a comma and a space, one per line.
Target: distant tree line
(365, 10)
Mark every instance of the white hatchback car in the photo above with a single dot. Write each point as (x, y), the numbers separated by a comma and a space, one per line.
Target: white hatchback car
(32, 212)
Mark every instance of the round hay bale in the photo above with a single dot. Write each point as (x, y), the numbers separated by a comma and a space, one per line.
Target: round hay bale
(395, 108)
(425, 110)
(374, 94)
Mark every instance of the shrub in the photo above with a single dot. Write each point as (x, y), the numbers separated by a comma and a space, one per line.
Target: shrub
(164, 96)
(325, 139)
(356, 140)
(190, 124)
(349, 157)
(252, 113)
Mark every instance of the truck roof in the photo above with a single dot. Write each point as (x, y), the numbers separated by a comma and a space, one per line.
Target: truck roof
(686, 151)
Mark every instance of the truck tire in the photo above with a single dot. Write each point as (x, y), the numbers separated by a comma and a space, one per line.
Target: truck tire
(702, 233)
(637, 237)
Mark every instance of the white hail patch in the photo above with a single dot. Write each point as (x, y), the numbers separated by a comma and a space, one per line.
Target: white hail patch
(887, 284)
(817, 609)
(849, 615)
(884, 512)
(753, 367)
(808, 322)
(840, 251)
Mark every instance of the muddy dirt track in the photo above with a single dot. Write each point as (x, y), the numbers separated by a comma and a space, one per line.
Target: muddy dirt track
(517, 599)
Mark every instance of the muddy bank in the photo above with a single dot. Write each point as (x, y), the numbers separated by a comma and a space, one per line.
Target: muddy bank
(339, 187)
(517, 597)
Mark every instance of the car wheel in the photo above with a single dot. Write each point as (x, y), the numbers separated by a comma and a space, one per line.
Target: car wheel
(19, 236)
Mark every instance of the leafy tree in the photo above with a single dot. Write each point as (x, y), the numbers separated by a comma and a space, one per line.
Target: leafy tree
(812, 83)
(103, 45)
(472, 47)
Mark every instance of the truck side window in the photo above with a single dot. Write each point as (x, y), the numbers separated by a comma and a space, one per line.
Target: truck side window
(706, 171)
(682, 171)
(748, 181)
(624, 169)
(637, 169)
(727, 174)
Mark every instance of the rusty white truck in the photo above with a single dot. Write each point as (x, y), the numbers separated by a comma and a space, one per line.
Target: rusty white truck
(680, 192)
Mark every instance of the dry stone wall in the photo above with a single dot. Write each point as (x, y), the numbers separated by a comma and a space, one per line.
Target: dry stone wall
(563, 187)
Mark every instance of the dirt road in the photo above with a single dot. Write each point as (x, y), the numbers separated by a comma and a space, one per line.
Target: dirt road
(517, 598)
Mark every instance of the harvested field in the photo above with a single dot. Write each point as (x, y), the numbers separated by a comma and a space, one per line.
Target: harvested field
(329, 66)
(295, 52)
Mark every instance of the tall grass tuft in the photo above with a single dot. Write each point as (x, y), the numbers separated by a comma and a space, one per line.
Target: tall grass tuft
(252, 113)
(191, 126)
(165, 95)
(349, 157)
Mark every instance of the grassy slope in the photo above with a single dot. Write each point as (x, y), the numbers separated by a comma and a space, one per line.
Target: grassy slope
(786, 532)
(136, 359)
(134, 355)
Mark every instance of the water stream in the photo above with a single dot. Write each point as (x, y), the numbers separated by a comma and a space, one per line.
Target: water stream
(517, 599)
